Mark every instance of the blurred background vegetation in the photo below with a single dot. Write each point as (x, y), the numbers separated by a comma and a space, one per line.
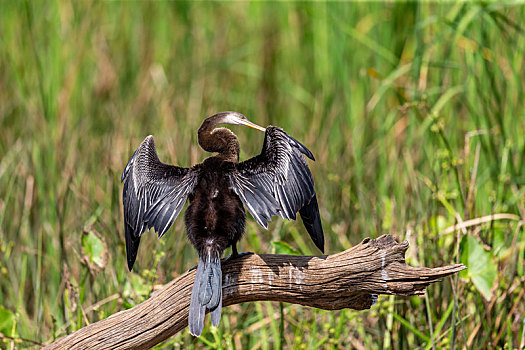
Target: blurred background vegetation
(415, 113)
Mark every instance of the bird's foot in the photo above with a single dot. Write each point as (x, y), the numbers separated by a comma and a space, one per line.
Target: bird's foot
(242, 254)
(228, 258)
(235, 256)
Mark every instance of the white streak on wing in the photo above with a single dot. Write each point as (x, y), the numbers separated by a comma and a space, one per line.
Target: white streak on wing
(252, 211)
(138, 219)
(254, 214)
(284, 210)
(145, 198)
(135, 180)
(170, 220)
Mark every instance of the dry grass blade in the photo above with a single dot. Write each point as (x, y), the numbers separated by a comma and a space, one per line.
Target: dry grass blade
(478, 221)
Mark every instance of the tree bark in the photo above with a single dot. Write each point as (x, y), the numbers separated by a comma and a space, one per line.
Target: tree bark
(350, 279)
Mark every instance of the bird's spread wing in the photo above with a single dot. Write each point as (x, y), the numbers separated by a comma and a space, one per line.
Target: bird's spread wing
(154, 194)
(279, 182)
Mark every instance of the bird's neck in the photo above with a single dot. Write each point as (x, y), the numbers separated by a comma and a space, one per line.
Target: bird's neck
(219, 140)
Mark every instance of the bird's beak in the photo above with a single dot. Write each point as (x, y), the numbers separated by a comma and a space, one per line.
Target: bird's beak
(252, 125)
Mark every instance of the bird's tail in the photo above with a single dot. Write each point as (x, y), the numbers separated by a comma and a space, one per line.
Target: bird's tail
(206, 293)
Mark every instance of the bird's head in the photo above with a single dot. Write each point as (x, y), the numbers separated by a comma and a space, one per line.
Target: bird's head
(232, 118)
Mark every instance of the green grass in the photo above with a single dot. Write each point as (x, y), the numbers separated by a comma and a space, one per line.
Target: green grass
(415, 113)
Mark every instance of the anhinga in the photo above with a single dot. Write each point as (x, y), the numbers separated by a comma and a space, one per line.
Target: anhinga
(276, 182)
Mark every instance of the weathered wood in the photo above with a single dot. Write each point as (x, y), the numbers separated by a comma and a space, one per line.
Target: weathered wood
(350, 279)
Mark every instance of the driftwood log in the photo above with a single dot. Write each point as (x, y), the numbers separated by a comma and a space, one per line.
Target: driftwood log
(350, 279)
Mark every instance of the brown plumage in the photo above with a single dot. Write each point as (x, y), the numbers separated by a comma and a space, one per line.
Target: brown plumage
(219, 140)
(276, 182)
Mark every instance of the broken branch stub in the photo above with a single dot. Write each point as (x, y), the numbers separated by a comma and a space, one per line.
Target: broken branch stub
(350, 279)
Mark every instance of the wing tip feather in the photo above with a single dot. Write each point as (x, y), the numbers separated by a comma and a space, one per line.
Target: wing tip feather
(304, 150)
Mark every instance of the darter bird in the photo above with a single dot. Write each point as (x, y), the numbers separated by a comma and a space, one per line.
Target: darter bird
(276, 182)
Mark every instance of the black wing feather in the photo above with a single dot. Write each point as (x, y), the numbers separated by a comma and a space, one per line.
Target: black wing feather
(279, 182)
(154, 194)
(312, 221)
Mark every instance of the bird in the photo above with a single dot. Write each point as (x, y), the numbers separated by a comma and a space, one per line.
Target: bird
(277, 182)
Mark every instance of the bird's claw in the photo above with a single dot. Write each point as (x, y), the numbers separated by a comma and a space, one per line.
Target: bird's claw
(232, 256)
(228, 258)
(243, 254)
